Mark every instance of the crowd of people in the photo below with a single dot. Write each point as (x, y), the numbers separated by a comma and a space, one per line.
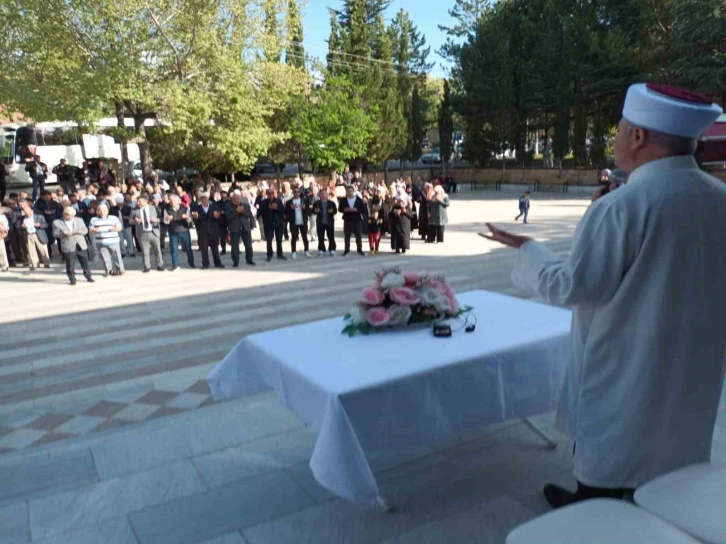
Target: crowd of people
(91, 216)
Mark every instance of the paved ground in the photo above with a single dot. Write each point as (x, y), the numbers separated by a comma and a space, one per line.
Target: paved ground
(108, 433)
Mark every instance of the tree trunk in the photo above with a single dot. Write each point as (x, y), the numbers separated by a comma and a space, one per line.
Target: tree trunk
(299, 160)
(125, 169)
(278, 171)
(144, 153)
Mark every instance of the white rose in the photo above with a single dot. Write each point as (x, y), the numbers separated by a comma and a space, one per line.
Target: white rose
(399, 315)
(358, 314)
(393, 280)
(431, 297)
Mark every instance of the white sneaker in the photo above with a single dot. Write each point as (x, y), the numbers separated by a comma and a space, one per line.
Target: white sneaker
(332, 253)
(307, 254)
(294, 255)
(321, 253)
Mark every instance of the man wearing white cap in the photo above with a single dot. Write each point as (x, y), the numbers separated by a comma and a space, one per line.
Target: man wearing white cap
(645, 282)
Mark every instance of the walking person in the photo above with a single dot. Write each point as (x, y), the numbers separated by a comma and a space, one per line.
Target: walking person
(438, 216)
(352, 207)
(106, 229)
(523, 206)
(146, 219)
(36, 237)
(273, 216)
(239, 218)
(207, 226)
(286, 196)
(325, 211)
(71, 231)
(178, 220)
(297, 212)
(4, 231)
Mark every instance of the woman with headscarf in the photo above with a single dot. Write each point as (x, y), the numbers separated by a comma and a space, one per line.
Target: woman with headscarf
(438, 216)
(401, 223)
(424, 196)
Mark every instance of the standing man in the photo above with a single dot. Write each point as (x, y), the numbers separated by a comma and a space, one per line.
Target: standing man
(51, 211)
(178, 220)
(35, 227)
(105, 229)
(38, 172)
(325, 211)
(66, 176)
(127, 208)
(311, 196)
(645, 282)
(207, 229)
(523, 206)
(273, 216)
(352, 207)
(4, 231)
(71, 231)
(239, 219)
(146, 219)
(297, 212)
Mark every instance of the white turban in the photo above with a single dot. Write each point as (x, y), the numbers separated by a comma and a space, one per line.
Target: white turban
(669, 110)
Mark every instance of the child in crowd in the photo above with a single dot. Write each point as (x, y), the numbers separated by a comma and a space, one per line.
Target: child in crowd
(374, 230)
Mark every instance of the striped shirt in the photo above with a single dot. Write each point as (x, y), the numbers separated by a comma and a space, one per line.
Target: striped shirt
(106, 236)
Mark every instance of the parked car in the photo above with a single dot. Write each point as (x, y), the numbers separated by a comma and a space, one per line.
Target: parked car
(138, 172)
(434, 157)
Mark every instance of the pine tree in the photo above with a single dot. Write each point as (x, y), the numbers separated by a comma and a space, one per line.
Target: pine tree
(295, 54)
(335, 44)
(446, 125)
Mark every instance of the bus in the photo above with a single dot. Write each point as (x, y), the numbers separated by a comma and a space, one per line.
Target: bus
(56, 141)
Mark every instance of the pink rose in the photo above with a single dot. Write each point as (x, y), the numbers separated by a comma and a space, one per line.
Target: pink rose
(378, 316)
(453, 304)
(372, 296)
(405, 296)
(411, 278)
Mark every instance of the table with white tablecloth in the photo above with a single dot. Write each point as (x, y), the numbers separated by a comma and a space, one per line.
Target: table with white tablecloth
(402, 389)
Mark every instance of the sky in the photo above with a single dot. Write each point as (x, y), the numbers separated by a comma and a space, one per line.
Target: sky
(426, 15)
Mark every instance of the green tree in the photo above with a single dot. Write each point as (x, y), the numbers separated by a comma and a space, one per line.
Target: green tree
(446, 125)
(332, 127)
(295, 55)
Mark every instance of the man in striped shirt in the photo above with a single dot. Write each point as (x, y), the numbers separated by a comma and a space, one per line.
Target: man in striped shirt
(105, 229)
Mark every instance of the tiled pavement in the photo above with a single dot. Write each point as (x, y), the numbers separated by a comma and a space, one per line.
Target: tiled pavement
(104, 362)
(133, 408)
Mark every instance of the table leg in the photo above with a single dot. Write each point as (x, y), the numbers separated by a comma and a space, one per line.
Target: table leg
(551, 442)
(387, 506)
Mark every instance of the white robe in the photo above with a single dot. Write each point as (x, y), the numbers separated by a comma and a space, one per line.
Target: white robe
(647, 283)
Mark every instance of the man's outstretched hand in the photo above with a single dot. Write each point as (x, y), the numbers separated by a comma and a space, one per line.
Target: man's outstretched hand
(509, 240)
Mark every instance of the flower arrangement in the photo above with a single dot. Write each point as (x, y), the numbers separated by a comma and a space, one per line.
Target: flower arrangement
(401, 299)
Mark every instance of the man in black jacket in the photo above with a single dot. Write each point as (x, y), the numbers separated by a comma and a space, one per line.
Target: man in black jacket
(66, 176)
(297, 211)
(38, 172)
(177, 218)
(325, 210)
(273, 216)
(239, 218)
(352, 207)
(206, 221)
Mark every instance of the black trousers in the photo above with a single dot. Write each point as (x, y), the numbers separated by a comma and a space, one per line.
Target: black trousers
(223, 236)
(353, 228)
(276, 231)
(206, 242)
(435, 233)
(322, 231)
(3, 190)
(300, 230)
(246, 238)
(70, 259)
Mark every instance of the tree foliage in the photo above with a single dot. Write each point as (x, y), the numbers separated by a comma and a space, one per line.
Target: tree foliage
(561, 67)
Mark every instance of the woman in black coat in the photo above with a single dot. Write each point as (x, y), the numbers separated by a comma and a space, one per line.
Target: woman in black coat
(423, 210)
(400, 226)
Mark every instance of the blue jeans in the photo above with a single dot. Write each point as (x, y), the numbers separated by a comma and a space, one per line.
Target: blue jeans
(38, 186)
(524, 213)
(186, 241)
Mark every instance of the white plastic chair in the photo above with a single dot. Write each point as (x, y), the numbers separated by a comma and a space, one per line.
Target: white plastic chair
(599, 521)
(692, 498)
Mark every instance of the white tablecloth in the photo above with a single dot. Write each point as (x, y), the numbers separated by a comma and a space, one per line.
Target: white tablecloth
(406, 388)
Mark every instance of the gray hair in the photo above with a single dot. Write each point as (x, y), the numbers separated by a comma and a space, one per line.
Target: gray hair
(70, 210)
(102, 206)
(674, 145)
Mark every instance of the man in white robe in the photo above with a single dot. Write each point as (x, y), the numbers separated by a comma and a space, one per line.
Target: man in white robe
(645, 280)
